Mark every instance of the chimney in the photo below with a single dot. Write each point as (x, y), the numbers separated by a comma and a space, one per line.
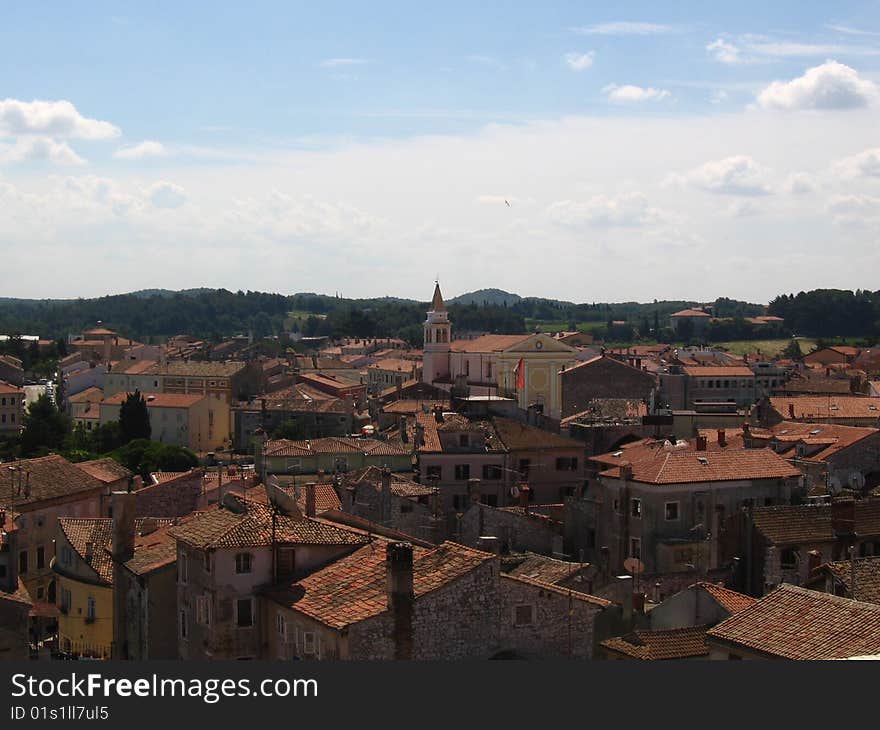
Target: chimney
(524, 497)
(626, 587)
(791, 410)
(702, 443)
(626, 471)
(438, 413)
(419, 435)
(722, 437)
(843, 518)
(638, 601)
(473, 490)
(814, 560)
(489, 544)
(385, 496)
(747, 434)
(123, 505)
(402, 428)
(90, 551)
(401, 597)
(122, 549)
(310, 499)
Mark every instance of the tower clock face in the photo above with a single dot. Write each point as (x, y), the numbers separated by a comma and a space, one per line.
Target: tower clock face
(539, 345)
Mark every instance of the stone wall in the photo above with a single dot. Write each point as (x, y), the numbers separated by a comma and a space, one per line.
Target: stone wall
(603, 378)
(516, 531)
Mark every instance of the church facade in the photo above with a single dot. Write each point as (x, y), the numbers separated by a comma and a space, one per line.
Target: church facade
(490, 364)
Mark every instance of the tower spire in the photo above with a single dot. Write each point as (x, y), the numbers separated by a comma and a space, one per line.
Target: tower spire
(437, 304)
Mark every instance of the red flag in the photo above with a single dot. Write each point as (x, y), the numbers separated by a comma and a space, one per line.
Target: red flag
(520, 375)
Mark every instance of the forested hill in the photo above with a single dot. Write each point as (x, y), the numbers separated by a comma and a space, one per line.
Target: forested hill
(216, 313)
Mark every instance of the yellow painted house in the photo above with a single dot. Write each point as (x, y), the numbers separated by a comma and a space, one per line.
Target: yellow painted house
(84, 570)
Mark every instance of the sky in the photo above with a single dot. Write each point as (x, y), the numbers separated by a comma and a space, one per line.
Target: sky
(579, 151)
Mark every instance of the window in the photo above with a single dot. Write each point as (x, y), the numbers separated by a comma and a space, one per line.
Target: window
(467, 367)
(22, 562)
(671, 510)
(90, 609)
(41, 557)
(567, 463)
(182, 568)
(524, 465)
(182, 623)
(635, 548)
(491, 471)
(635, 507)
(203, 609)
(788, 558)
(209, 563)
(310, 643)
(281, 626)
(65, 600)
(463, 440)
(462, 471)
(406, 507)
(41, 593)
(243, 563)
(244, 612)
(523, 615)
(435, 472)
(615, 505)
(459, 501)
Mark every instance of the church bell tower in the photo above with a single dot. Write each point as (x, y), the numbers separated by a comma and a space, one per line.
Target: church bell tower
(437, 340)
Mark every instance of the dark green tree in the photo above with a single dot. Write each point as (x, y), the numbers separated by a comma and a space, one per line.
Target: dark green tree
(793, 350)
(134, 418)
(45, 428)
(289, 430)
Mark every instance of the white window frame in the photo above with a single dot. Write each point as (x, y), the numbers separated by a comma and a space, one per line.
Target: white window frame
(635, 508)
(250, 563)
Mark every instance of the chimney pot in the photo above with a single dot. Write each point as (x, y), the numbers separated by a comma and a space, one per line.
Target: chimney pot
(701, 443)
(524, 497)
(722, 437)
(310, 499)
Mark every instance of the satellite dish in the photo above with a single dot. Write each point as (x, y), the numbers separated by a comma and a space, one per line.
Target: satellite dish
(634, 566)
(514, 491)
(281, 500)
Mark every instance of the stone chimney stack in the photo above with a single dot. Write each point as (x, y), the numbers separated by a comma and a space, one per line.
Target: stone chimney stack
(401, 596)
(702, 443)
(722, 437)
(122, 550)
(626, 586)
(310, 499)
(524, 497)
(385, 496)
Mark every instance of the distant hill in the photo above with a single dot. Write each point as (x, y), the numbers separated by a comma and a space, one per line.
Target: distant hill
(150, 293)
(492, 297)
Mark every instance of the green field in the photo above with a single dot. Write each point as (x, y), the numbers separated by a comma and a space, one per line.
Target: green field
(765, 347)
(300, 318)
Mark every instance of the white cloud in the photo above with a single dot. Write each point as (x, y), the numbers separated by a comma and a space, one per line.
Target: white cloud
(737, 175)
(623, 27)
(799, 183)
(634, 94)
(626, 210)
(51, 118)
(829, 86)
(778, 48)
(725, 52)
(165, 194)
(342, 62)
(719, 96)
(579, 61)
(39, 148)
(143, 150)
(849, 30)
(854, 209)
(499, 200)
(864, 164)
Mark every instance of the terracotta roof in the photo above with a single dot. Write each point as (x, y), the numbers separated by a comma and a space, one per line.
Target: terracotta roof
(690, 313)
(396, 365)
(487, 343)
(135, 367)
(559, 590)
(106, 470)
(159, 400)
(688, 467)
(793, 524)
(867, 577)
(717, 371)
(335, 445)
(98, 532)
(730, 600)
(401, 486)
(517, 436)
(796, 623)
(832, 406)
(6, 389)
(326, 498)
(51, 477)
(662, 644)
(409, 406)
(89, 395)
(833, 386)
(354, 588)
(544, 569)
(99, 331)
(197, 368)
(832, 436)
(250, 525)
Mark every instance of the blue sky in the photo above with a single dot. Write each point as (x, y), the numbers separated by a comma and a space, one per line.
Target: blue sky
(687, 150)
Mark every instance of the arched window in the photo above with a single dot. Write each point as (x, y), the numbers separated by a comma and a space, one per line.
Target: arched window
(428, 335)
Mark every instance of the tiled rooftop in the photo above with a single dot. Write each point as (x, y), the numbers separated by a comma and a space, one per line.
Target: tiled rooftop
(51, 477)
(684, 643)
(793, 524)
(796, 623)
